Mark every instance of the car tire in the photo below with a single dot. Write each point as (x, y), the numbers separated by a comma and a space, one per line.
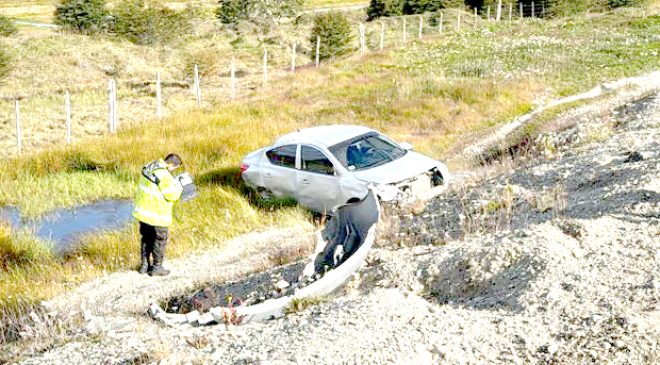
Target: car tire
(436, 178)
(265, 194)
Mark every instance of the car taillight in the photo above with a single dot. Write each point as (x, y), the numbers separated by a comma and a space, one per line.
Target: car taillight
(244, 167)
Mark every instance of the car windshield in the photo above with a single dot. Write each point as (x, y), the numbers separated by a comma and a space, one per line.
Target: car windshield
(366, 151)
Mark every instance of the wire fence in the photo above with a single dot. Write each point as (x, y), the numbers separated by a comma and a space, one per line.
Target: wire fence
(240, 78)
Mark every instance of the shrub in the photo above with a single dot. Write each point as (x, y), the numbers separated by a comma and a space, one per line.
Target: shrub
(257, 11)
(84, 16)
(335, 32)
(421, 6)
(620, 3)
(380, 8)
(7, 27)
(149, 23)
(232, 11)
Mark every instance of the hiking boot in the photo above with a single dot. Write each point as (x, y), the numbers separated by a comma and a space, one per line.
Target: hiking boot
(144, 259)
(159, 271)
(144, 267)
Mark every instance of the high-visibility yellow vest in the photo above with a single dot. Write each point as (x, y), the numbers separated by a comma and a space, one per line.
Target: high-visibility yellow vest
(156, 193)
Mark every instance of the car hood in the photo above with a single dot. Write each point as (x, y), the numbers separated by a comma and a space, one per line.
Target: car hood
(406, 167)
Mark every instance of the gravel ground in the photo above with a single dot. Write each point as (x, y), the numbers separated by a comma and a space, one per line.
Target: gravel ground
(550, 260)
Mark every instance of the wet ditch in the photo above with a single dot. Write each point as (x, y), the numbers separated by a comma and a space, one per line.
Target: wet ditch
(64, 227)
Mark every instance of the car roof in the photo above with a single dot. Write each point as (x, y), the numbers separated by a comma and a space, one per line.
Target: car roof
(327, 135)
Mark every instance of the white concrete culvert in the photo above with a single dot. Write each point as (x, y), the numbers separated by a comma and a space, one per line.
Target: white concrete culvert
(355, 221)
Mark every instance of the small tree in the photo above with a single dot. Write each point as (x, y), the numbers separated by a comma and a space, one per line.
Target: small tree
(7, 27)
(84, 16)
(145, 22)
(421, 6)
(380, 8)
(232, 11)
(257, 11)
(620, 3)
(335, 32)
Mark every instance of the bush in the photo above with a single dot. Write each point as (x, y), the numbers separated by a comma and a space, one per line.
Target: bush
(84, 16)
(7, 27)
(620, 3)
(421, 6)
(149, 23)
(379, 8)
(232, 11)
(335, 32)
(257, 11)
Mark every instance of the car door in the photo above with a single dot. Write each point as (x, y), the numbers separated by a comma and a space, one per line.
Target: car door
(317, 181)
(279, 172)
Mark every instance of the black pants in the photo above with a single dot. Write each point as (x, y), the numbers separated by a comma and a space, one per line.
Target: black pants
(154, 240)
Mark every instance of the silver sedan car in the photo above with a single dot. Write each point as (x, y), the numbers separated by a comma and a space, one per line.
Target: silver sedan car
(323, 167)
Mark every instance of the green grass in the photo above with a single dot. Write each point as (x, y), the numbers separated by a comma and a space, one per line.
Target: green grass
(434, 93)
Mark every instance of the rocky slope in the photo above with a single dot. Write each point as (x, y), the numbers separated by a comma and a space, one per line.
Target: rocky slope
(550, 259)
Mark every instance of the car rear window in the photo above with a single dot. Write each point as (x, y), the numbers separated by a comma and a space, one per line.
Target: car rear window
(366, 151)
(284, 156)
(313, 160)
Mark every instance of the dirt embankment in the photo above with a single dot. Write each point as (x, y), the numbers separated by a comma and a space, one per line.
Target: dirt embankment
(550, 260)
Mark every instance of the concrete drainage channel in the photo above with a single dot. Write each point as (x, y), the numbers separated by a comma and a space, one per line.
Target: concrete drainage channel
(341, 249)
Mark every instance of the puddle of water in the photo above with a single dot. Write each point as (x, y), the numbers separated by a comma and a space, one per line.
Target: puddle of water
(10, 215)
(63, 227)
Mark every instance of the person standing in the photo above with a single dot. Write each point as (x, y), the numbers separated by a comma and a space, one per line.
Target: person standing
(157, 192)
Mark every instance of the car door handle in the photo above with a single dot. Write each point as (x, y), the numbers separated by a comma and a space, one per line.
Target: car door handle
(304, 181)
(268, 175)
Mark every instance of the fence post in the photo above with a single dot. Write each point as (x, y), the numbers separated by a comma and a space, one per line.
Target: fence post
(265, 81)
(382, 35)
(198, 88)
(476, 18)
(421, 26)
(111, 106)
(405, 32)
(363, 42)
(522, 15)
(318, 50)
(233, 79)
(442, 21)
(533, 10)
(19, 146)
(510, 12)
(67, 112)
(159, 98)
(499, 10)
(458, 21)
(488, 13)
(293, 57)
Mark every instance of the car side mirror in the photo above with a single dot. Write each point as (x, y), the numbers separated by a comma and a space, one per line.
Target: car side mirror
(406, 146)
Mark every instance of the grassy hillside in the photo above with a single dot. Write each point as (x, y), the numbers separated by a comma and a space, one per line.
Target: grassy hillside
(435, 93)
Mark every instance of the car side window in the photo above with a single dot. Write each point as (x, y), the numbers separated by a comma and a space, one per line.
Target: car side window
(284, 156)
(313, 160)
